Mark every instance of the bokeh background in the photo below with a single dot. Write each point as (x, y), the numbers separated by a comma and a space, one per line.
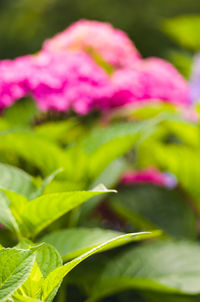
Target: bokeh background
(24, 24)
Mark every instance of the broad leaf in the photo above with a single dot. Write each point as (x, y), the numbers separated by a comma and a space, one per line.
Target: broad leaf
(14, 270)
(15, 179)
(31, 288)
(35, 149)
(7, 218)
(21, 113)
(47, 256)
(148, 207)
(110, 177)
(33, 216)
(105, 145)
(184, 30)
(20, 298)
(168, 267)
(177, 159)
(72, 243)
(47, 259)
(63, 131)
(56, 276)
(45, 183)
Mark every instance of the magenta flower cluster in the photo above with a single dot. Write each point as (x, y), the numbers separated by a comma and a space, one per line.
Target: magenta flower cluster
(96, 39)
(149, 176)
(69, 74)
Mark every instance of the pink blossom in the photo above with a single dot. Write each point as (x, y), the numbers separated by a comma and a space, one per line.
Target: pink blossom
(97, 39)
(63, 81)
(149, 79)
(150, 175)
(13, 81)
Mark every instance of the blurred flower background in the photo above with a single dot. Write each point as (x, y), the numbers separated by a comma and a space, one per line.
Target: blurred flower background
(105, 92)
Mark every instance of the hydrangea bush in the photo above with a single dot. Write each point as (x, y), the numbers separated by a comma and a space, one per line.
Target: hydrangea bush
(99, 156)
(65, 75)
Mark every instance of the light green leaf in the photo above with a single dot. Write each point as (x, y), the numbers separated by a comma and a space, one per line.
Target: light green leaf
(56, 276)
(110, 177)
(47, 256)
(184, 30)
(72, 243)
(105, 145)
(45, 183)
(32, 286)
(20, 298)
(22, 113)
(35, 149)
(47, 208)
(47, 259)
(15, 179)
(63, 131)
(14, 270)
(6, 217)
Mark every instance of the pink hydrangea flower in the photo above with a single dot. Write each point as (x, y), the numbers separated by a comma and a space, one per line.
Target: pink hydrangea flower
(13, 81)
(63, 81)
(96, 38)
(149, 79)
(149, 176)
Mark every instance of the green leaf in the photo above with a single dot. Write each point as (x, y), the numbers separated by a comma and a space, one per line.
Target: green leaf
(155, 297)
(20, 298)
(110, 177)
(33, 216)
(35, 149)
(168, 267)
(15, 266)
(47, 256)
(182, 61)
(22, 113)
(45, 183)
(6, 217)
(31, 288)
(63, 131)
(152, 110)
(72, 243)
(178, 159)
(56, 276)
(184, 30)
(15, 179)
(47, 259)
(150, 206)
(105, 145)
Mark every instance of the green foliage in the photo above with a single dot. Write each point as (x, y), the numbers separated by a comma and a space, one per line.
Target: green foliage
(21, 113)
(73, 242)
(148, 207)
(25, 275)
(56, 276)
(161, 267)
(53, 210)
(15, 179)
(14, 270)
(181, 161)
(44, 210)
(184, 30)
